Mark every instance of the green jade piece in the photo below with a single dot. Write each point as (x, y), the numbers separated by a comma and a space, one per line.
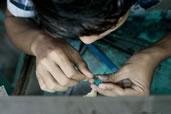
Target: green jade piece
(97, 81)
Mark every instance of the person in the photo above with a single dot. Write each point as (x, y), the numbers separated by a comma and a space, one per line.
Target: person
(40, 28)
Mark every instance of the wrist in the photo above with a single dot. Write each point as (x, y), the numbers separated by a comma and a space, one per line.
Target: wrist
(154, 55)
(38, 42)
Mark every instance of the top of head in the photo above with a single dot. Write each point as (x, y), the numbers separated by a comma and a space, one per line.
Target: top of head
(74, 18)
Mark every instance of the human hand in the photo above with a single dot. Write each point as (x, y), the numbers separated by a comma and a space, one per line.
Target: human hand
(133, 79)
(58, 65)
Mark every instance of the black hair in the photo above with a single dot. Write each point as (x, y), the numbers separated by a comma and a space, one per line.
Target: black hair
(75, 18)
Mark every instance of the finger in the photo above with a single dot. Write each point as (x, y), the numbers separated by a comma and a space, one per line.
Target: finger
(83, 68)
(51, 83)
(106, 86)
(104, 78)
(127, 92)
(59, 76)
(107, 78)
(114, 90)
(81, 64)
(42, 84)
(124, 83)
(105, 92)
(67, 67)
(114, 77)
(118, 91)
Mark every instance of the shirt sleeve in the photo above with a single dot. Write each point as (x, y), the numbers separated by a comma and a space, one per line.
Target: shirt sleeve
(21, 8)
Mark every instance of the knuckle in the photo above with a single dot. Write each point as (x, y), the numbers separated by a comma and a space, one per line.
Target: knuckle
(51, 53)
(65, 82)
(72, 74)
(55, 52)
(59, 51)
(43, 61)
(52, 86)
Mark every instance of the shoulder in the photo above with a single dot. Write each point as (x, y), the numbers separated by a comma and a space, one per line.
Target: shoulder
(21, 8)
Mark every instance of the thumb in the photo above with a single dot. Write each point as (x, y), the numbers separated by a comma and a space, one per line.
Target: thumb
(84, 70)
(108, 77)
(114, 77)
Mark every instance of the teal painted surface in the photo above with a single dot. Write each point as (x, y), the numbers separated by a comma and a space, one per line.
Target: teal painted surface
(162, 79)
(2, 18)
(4, 82)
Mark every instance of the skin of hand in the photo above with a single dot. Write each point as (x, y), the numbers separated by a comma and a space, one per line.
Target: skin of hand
(134, 78)
(55, 64)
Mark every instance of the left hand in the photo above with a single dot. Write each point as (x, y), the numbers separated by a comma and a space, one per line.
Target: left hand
(133, 79)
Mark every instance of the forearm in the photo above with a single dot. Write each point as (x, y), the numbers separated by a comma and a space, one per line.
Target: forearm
(22, 33)
(160, 50)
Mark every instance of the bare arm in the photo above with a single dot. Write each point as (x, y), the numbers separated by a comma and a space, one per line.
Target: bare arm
(21, 32)
(160, 50)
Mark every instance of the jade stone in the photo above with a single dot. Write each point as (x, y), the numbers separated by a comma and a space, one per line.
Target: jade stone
(97, 82)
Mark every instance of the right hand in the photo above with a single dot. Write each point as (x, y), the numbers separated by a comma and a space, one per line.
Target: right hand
(55, 64)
